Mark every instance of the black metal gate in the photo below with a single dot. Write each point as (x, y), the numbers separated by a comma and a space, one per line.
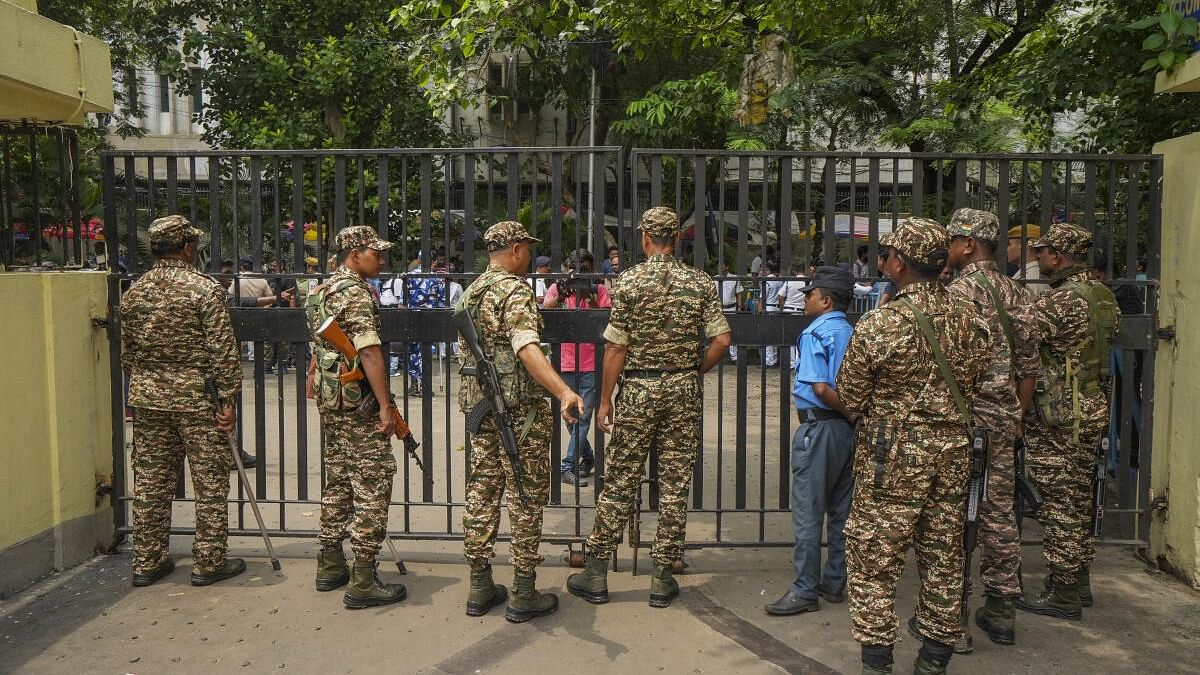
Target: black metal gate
(796, 208)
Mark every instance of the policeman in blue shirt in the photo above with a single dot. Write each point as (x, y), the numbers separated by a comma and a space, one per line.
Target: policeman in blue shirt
(822, 447)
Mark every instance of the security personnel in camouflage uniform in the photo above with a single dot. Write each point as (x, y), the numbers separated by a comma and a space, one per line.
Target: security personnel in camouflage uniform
(1074, 324)
(974, 236)
(660, 308)
(913, 445)
(359, 464)
(176, 333)
(509, 326)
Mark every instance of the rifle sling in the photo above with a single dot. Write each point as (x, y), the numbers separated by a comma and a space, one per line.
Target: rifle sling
(1005, 320)
(943, 364)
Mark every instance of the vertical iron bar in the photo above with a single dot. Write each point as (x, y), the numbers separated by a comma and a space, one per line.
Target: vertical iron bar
(214, 215)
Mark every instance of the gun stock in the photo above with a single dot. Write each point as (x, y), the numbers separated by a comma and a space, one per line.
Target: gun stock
(332, 333)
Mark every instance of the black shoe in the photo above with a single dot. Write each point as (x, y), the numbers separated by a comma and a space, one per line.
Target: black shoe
(248, 461)
(572, 478)
(232, 568)
(162, 571)
(791, 604)
(586, 468)
(832, 597)
(914, 629)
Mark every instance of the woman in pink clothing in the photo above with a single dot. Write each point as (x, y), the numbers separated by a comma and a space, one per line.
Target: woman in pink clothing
(578, 362)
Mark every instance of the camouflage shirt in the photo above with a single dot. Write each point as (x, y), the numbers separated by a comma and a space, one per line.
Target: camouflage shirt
(889, 372)
(175, 332)
(351, 302)
(507, 310)
(1058, 319)
(996, 405)
(660, 307)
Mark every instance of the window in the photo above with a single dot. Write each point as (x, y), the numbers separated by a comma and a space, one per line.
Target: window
(164, 93)
(197, 90)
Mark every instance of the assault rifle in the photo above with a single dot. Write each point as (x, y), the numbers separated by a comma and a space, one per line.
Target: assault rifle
(332, 333)
(1027, 491)
(493, 398)
(976, 494)
(1099, 482)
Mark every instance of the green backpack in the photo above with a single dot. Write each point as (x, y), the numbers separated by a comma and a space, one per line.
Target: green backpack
(1064, 382)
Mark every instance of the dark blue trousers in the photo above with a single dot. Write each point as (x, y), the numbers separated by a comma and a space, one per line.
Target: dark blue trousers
(822, 484)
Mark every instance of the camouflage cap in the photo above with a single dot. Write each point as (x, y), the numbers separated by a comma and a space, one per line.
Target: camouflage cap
(660, 221)
(358, 237)
(921, 240)
(1065, 237)
(506, 233)
(172, 230)
(975, 224)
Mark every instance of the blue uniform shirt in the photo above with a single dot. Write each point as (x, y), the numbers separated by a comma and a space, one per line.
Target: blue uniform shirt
(821, 347)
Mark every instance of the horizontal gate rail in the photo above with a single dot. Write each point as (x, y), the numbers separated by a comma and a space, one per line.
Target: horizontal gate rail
(796, 209)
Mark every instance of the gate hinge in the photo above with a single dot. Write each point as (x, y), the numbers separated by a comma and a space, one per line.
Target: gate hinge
(1166, 333)
(99, 322)
(104, 488)
(1160, 502)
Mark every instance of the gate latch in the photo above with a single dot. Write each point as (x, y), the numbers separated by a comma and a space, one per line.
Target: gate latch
(1160, 502)
(1166, 333)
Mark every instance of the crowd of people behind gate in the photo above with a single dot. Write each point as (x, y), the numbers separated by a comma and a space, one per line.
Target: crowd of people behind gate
(912, 423)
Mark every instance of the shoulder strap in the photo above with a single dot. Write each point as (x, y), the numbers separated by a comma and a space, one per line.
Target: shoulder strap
(943, 364)
(1005, 320)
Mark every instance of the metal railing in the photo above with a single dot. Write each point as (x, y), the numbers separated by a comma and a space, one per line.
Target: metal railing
(797, 208)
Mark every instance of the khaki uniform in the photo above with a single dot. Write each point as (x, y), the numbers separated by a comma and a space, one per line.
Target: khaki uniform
(175, 333)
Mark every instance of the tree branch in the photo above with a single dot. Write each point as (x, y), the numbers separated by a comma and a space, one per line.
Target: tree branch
(1028, 19)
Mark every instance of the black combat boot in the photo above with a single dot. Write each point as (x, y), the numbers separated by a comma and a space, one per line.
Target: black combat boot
(526, 602)
(165, 568)
(1059, 600)
(663, 587)
(933, 658)
(592, 583)
(366, 589)
(998, 619)
(485, 593)
(876, 659)
(231, 568)
(332, 570)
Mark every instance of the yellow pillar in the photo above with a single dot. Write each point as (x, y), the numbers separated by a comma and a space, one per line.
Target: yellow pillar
(1175, 474)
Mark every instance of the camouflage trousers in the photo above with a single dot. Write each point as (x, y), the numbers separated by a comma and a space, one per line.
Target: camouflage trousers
(161, 439)
(918, 501)
(491, 476)
(999, 541)
(661, 413)
(1063, 472)
(359, 466)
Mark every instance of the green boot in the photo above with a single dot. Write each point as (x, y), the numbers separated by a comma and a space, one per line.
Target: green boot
(485, 594)
(1083, 581)
(592, 583)
(663, 587)
(526, 602)
(925, 666)
(366, 589)
(1059, 600)
(332, 571)
(868, 670)
(998, 619)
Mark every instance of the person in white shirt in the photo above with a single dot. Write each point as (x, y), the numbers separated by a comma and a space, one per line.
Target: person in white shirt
(771, 295)
(391, 294)
(728, 290)
(861, 269)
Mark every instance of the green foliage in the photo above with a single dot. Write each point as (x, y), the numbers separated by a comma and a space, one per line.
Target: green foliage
(694, 113)
(1171, 38)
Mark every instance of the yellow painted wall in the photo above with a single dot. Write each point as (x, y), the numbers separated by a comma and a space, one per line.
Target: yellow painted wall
(42, 70)
(55, 428)
(1175, 472)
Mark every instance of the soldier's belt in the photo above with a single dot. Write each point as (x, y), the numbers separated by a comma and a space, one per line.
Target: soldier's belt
(818, 415)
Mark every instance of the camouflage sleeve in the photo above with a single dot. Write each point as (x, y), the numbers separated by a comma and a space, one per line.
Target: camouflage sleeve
(221, 344)
(856, 376)
(520, 317)
(128, 355)
(714, 319)
(617, 330)
(982, 350)
(354, 308)
(1025, 362)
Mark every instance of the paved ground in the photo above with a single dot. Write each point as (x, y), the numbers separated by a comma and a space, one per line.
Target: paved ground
(90, 620)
